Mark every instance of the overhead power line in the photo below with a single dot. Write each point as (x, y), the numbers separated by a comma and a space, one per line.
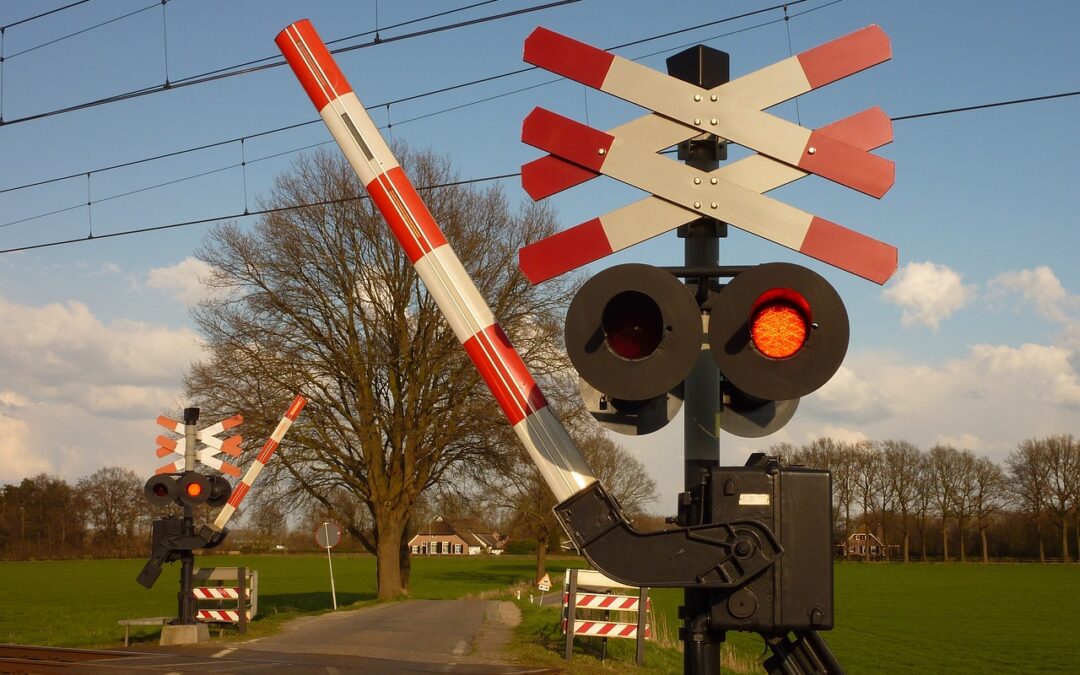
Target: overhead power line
(213, 76)
(413, 97)
(235, 216)
(43, 14)
(984, 106)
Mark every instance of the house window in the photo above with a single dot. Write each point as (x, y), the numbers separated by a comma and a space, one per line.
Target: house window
(457, 548)
(873, 549)
(414, 549)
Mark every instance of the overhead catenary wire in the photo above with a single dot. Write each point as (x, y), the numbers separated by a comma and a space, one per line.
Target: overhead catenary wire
(217, 75)
(43, 14)
(432, 92)
(236, 216)
(242, 139)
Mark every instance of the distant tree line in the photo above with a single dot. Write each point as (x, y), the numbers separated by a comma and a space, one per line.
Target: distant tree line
(946, 503)
(102, 515)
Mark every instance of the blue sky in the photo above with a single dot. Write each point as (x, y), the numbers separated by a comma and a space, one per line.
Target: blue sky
(974, 342)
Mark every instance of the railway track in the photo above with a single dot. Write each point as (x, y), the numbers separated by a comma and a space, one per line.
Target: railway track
(32, 659)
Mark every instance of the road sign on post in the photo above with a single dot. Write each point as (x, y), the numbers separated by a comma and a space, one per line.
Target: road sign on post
(327, 536)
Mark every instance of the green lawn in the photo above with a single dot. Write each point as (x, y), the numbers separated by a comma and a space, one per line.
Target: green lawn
(891, 618)
(76, 603)
(972, 618)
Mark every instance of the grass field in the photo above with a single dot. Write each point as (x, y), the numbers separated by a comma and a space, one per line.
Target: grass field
(78, 603)
(890, 618)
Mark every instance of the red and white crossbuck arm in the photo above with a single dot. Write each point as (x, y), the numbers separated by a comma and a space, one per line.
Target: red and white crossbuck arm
(551, 448)
(760, 89)
(713, 112)
(267, 451)
(651, 216)
(706, 194)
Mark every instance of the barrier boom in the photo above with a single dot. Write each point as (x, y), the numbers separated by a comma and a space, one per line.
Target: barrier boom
(551, 448)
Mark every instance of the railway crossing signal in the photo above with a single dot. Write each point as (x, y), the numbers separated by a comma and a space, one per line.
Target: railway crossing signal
(761, 570)
(776, 331)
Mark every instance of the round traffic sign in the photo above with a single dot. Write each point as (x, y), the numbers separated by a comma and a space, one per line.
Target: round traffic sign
(328, 534)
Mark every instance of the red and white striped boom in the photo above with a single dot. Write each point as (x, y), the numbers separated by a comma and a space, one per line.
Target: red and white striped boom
(267, 451)
(551, 448)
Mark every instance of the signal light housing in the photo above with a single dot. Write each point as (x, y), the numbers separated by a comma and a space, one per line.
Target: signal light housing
(633, 332)
(194, 488)
(777, 332)
(220, 489)
(800, 364)
(161, 490)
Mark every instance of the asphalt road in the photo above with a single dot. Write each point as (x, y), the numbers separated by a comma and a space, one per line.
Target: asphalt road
(415, 636)
(442, 632)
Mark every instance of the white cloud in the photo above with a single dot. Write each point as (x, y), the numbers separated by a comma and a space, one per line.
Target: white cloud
(183, 280)
(16, 457)
(961, 441)
(12, 399)
(928, 293)
(838, 433)
(1038, 288)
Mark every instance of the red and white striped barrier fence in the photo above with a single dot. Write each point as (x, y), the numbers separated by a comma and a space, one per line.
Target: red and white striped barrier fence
(217, 593)
(235, 600)
(628, 603)
(628, 621)
(610, 629)
(220, 615)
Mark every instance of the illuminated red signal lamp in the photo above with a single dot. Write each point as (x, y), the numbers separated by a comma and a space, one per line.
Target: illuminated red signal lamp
(780, 323)
(778, 332)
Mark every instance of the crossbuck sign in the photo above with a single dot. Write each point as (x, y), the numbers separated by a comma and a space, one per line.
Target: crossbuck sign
(732, 193)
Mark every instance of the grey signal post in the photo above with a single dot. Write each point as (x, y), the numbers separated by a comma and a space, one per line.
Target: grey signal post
(186, 600)
(708, 68)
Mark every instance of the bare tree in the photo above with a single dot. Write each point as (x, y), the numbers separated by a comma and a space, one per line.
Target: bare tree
(1062, 456)
(901, 472)
(965, 490)
(1029, 481)
(114, 503)
(924, 499)
(989, 482)
(321, 300)
(944, 467)
(867, 478)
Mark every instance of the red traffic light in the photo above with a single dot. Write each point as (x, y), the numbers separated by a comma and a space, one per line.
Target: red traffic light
(194, 488)
(633, 325)
(161, 490)
(778, 331)
(780, 323)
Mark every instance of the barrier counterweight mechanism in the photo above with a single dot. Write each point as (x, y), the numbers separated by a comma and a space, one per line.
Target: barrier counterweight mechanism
(752, 544)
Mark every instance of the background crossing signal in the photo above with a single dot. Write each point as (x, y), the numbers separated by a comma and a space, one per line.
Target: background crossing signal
(777, 332)
(188, 488)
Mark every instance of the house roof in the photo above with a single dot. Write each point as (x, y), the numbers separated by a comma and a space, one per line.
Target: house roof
(466, 530)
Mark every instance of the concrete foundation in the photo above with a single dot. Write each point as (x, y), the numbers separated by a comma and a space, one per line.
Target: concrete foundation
(184, 634)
